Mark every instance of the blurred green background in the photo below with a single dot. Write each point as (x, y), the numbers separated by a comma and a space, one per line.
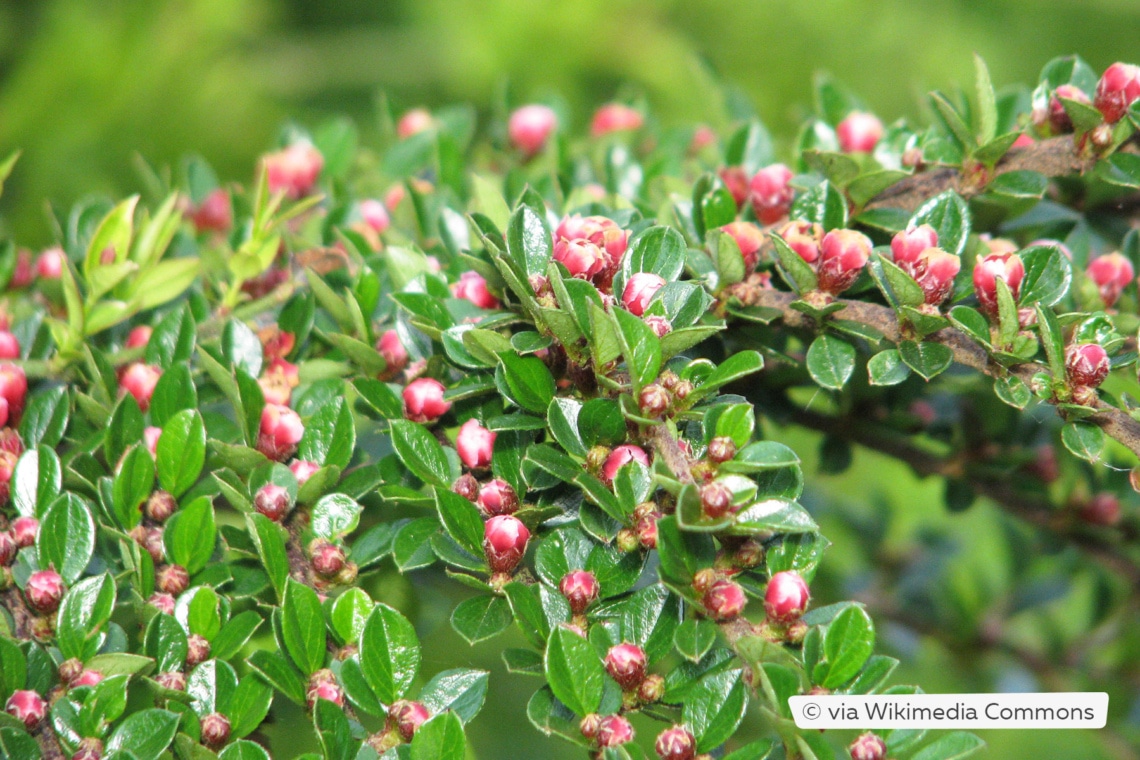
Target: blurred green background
(84, 85)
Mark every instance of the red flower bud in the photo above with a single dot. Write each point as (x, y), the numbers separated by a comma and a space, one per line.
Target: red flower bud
(197, 650)
(393, 351)
(407, 717)
(660, 326)
(721, 449)
(1086, 364)
(44, 591)
(504, 542)
(7, 468)
(8, 549)
(496, 497)
(160, 506)
(935, 272)
(374, 214)
(991, 268)
(215, 730)
(327, 558)
(615, 117)
(89, 749)
(326, 691)
(475, 444)
(605, 233)
(908, 245)
(303, 470)
(294, 170)
(703, 136)
(620, 457)
(613, 731)
(653, 401)
(581, 258)
(172, 579)
(859, 133)
(162, 602)
(24, 272)
(25, 530)
(1112, 273)
(26, 706)
(272, 501)
(589, 726)
(639, 291)
(139, 380)
(151, 540)
(472, 287)
(724, 600)
(786, 597)
(87, 678)
(9, 345)
(423, 400)
(14, 390)
(803, 238)
(1118, 87)
(1101, 509)
(647, 532)
(278, 380)
(214, 213)
(467, 487)
(772, 193)
(1059, 120)
(626, 664)
(716, 499)
(151, 435)
(868, 747)
(49, 265)
(676, 743)
(581, 589)
(652, 689)
(281, 431)
(748, 238)
(413, 122)
(735, 180)
(172, 680)
(69, 670)
(843, 254)
(529, 128)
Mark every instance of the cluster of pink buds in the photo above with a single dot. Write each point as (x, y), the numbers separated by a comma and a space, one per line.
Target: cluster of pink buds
(916, 252)
(472, 287)
(214, 214)
(591, 248)
(281, 430)
(606, 731)
(423, 400)
(294, 170)
(1086, 367)
(139, 380)
(859, 132)
(988, 269)
(615, 117)
(1118, 88)
(530, 127)
(277, 381)
(1112, 273)
(837, 257)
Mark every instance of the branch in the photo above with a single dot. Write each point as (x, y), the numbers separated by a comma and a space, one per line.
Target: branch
(967, 352)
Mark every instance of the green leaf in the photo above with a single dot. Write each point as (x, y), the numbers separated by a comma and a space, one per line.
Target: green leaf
(1084, 440)
(114, 232)
(269, 539)
(145, 734)
(335, 515)
(887, 368)
(735, 367)
(574, 671)
(124, 429)
(278, 671)
(248, 706)
(421, 452)
(1012, 391)
(830, 361)
(330, 435)
(1048, 273)
(659, 250)
(530, 383)
(728, 258)
(190, 535)
(481, 617)
(775, 515)
(1052, 339)
(441, 738)
(949, 215)
(562, 417)
(972, 323)
(694, 638)
(952, 746)
(303, 627)
(82, 616)
(389, 653)
(987, 103)
(1019, 184)
(172, 340)
(953, 120)
(640, 347)
(903, 287)
(181, 452)
(823, 204)
(528, 241)
(713, 205)
(243, 750)
(750, 147)
(797, 272)
(715, 707)
(174, 392)
(45, 417)
(333, 731)
(461, 691)
(132, 485)
(461, 519)
(849, 641)
(927, 359)
(66, 538)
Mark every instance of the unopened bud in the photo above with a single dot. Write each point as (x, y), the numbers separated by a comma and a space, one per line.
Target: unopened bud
(580, 587)
(215, 730)
(626, 664)
(160, 506)
(652, 689)
(721, 449)
(467, 487)
(1086, 364)
(614, 731)
(786, 596)
(197, 650)
(496, 497)
(868, 747)
(272, 501)
(653, 400)
(326, 557)
(676, 743)
(724, 600)
(172, 579)
(407, 717)
(716, 499)
(504, 542)
(44, 591)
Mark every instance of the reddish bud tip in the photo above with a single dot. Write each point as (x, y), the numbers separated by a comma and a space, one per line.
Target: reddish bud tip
(721, 449)
(374, 214)
(626, 664)
(1101, 509)
(281, 431)
(8, 549)
(467, 487)
(1118, 87)
(139, 380)
(639, 291)
(44, 591)
(654, 400)
(614, 731)
(504, 542)
(771, 193)
(26, 706)
(935, 271)
(988, 270)
(581, 589)
(160, 506)
(735, 180)
(215, 730)
(530, 126)
(197, 650)
(716, 499)
(908, 245)
(859, 133)
(473, 287)
(1059, 120)
(151, 435)
(724, 600)
(69, 670)
(407, 717)
(786, 597)
(87, 678)
(804, 238)
(676, 743)
(9, 345)
(413, 122)
(49, 265)
(173, 680)
(214, 213)
(868, 747)
(1112, 273)
(294, 170)
(423, 400)
(496, 497)
(327, 558)
(392, 349)
(581, 258)
(25, 530)
(1086, 364)
(89, 749)
(272, 501)
(475, 444)
(162, 602)
(748, 238)
(303, 470)
(615, 117)
(620, 457)
(843, 254)
(172, 579)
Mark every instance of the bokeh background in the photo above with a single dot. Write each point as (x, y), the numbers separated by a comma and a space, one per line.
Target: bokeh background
(84, 85)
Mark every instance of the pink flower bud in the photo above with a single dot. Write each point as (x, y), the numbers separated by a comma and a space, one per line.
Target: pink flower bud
(215, 730)
(7, 469)
(654, 401)
(1101, 509)
(735, 179)
(786, 597)
(303, 470)
(139, 336)
(935, 272)
(843, 254)
(3, 416)
(151, 540)
(467, 487)
(151, 435)
(703, 137)
(626, 664)
(214, 213)
(24, 273)
(1112, 273)
(329, 692)
(581, 589)
(8, 549)
(620, 457)
(859, 133)
(172, 579)
(393, 351)
(413, 122)
(26, 706)
(197, 650)
(659, 325)
(14, 390)
(772, 193)
(473, 287)
(87, 677)
(50, 263)
(530, 127)
(327, 558)
(475, 444)
(908, 245)
(69, 670)
(716, 499)
(160, 506)
(589, 726)
(646, 531)
(599, 230)
(803, 238)
(25, 530)
(172, 680)
(1118, 87)
(9, 345)
(407, 717)
(1059, 120)
(749, 238)
(496, 497)
(991, 268)
(615, 117)
(139, 380)
(676, 743)
(1023, 141)
(1086, 364)
(374, 215)
(281, 430)
(294, 170)
(423, 400)
(504, 542)
(614, 731)
(721, 449)
(639, 291)
(162, 602)
(868, 747)
(724, 600)
(89, 749)
(272, 501)
(44, 591)
(581, 258)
